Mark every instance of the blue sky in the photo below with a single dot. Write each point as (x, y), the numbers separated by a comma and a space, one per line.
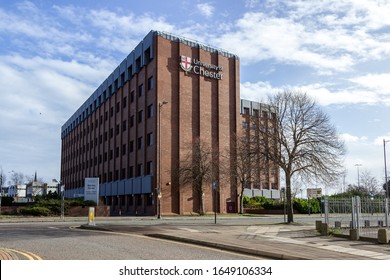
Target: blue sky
(54, 54)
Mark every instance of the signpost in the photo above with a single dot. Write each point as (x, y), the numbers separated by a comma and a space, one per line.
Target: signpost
(62, 202)
(283, 190)
(91, 189)
(215, 201)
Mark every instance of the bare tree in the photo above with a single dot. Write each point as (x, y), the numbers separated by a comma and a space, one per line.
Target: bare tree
(198, 168)
(17, 178)
(307, 143)
(368, 182)
(244, 165)
(3, 179)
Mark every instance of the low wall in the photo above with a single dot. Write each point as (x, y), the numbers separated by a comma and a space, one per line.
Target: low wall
(266, 211)
(10, 210)
(100, 211)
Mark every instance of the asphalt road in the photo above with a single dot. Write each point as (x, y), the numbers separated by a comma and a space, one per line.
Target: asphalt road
(63, 241)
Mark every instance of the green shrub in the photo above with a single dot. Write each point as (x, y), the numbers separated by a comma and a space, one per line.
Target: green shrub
(35, 211)
(260, 202)
(245, 201)
(302, 205)
(89, 203)
(53, 205)
(81, 202)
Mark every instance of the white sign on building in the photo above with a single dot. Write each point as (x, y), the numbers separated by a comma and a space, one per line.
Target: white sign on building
(314, 192)
(91, 189)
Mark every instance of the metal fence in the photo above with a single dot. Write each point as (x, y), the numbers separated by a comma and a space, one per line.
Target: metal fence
(367, 215)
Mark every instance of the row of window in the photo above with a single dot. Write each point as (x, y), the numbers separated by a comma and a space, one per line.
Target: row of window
(78, 152)
(118, 128)
(101, 99)
(129, 200)
(119, 174)
(256, 113)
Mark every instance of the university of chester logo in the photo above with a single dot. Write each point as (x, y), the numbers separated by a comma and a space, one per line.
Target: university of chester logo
(200, 68)
(185, 63)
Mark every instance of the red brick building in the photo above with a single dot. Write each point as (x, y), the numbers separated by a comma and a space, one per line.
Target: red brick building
(136, 127)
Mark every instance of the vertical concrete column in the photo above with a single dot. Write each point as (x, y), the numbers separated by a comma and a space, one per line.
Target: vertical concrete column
(127, 203)
(119, 205)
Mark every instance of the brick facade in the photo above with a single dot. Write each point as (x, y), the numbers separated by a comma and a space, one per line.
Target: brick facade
(117, 135)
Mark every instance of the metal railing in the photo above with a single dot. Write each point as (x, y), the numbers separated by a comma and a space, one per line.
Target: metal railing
(367, 215)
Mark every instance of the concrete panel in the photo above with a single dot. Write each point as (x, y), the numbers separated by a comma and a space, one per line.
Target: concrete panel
(257, 192)
(102, 189)
(116, 73)
(137, 185)
(267, 193)
(275, 194)
(121, 187)
(248, 192)
(128, 186)
(114, 188)
(147, 184)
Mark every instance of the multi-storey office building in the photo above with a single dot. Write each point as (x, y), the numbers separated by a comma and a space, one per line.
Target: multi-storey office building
(259, 126)
(135, 129)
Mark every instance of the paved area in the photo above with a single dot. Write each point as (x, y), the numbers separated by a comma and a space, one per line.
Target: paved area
(275, 241)
(263, 237)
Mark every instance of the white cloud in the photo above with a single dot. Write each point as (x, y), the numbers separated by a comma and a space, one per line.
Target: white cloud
(322, 93)
(379, 83)
(348, 138)
(329, 36)
(259, 37)
(205, 9)
(258, 91)
(133, 24)
(251, 3)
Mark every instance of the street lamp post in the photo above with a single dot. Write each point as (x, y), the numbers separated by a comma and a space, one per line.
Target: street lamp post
(1, 190)
(386, 184)
(159, 193)
(61, 190)
(384, 156)
(357, 165)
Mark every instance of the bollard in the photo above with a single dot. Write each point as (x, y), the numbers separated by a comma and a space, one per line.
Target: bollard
(383, 237)
(318, 225)
(91, 216)
(324, 229)
(354, 234)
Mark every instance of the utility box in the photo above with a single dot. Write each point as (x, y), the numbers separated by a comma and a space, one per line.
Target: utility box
(230, 207)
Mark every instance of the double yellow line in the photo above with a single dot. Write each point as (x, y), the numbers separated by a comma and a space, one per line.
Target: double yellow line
(26, 254)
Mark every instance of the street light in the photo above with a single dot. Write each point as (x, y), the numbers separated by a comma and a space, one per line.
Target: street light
(386, 184)
(1, 190)
(384, 156)
(159, 195)
(357, 165)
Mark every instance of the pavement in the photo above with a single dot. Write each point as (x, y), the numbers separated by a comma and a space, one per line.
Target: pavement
(263, 237)
(296, 241)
